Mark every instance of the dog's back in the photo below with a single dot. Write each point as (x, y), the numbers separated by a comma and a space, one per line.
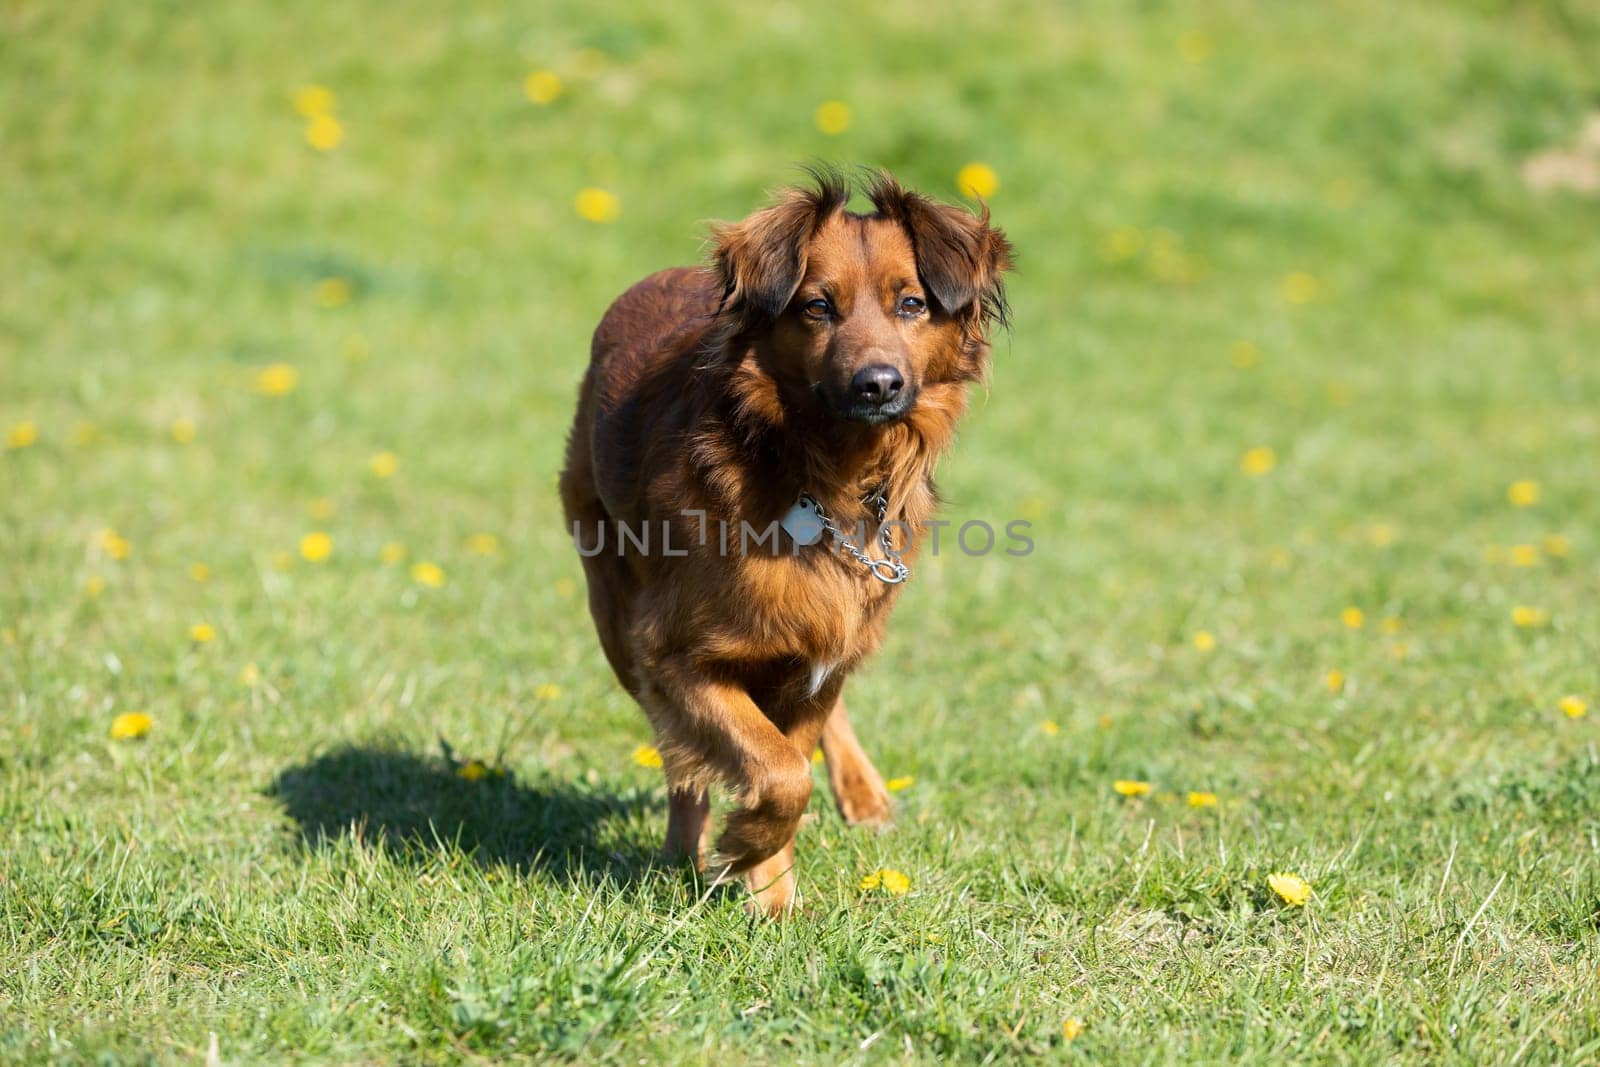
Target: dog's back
(641, 364)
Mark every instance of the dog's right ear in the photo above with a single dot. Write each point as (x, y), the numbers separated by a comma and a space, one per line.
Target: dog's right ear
(762, 260)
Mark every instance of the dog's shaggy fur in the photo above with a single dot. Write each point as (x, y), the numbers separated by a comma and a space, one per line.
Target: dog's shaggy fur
(715, 398)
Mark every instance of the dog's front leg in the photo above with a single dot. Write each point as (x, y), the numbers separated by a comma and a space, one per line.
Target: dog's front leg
(688, 819)
(711, 729)
(858, 788)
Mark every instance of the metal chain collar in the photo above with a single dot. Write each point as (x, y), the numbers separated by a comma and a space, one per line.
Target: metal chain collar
(890, 569)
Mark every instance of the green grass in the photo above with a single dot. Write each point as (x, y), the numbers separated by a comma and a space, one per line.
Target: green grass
(296, 867)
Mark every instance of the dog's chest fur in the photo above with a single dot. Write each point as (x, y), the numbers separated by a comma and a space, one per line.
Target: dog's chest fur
(812, 606)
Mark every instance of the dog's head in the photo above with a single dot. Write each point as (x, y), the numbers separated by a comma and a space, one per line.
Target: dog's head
(856, 315)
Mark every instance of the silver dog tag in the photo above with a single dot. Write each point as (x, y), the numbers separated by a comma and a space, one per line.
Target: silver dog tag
(803, 522)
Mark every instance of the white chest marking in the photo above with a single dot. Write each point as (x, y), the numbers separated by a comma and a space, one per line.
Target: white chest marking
(819, 675)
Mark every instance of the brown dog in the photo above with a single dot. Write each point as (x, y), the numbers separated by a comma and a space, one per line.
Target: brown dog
(817, 371)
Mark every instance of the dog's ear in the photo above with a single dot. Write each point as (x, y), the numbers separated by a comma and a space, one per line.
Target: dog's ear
(761, 260)
(961, 258)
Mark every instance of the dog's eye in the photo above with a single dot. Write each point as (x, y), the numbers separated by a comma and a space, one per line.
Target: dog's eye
(817, 309)
(912, 306)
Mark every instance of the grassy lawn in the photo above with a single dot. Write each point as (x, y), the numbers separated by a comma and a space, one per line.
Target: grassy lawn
(1302, 399)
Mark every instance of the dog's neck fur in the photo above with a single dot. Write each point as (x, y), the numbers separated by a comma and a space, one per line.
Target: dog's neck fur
(787, 451)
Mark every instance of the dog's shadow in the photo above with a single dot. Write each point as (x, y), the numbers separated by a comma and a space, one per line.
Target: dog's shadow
(419, 806)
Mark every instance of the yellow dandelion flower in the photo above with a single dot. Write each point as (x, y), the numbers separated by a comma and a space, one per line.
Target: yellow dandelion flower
(131, 725)
(1121, 244)
(116, 546)
(1194, 46)
(321, 508)
(324, 133)
(1258, 461)
(1292, 889)
(832, 117)
(199, 572)
(313, 100)
(1072, 1028)
(1557, 546)
(597, 205)
(1529, 617)
(483, 544)
(1279, 558)
(1353, 618)
(94, 585)
(202, 632)
(547, 691)
(332, 292)
(276, 379)
(1334, 680)
(1399, 650)
(978, 181)
(472, 770)
(1130, 788)
(1573, 707)
(1205, 640)
(895, 785)
(1391, 625)
(816, 755)
(1524, 555)
(425, 572)
(647, 756)
(21, 435)
(1381, 534)
(183, 429)
(1340, 192)
(889, 880)
(1244, 354)
(383, 464)
(249, 675)
(1050, 727)
(566, 588)
(1202, 800)
(1300, 287)
(542, 86)
(392, 553)
(316, 547)
(1523, 494)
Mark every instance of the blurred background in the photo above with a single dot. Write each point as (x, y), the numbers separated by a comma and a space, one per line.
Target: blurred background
(1301, 395)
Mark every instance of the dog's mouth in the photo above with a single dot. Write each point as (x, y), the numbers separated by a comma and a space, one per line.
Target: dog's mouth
(870, 413)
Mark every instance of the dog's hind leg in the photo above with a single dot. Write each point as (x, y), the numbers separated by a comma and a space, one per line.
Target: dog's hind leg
(858, 788)
(611, 585)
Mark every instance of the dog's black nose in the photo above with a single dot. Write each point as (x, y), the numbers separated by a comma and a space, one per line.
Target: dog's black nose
(877, 384)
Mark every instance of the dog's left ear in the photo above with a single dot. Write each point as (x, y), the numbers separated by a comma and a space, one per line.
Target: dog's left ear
(961, 258)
